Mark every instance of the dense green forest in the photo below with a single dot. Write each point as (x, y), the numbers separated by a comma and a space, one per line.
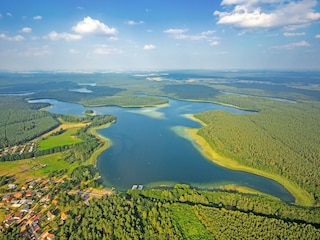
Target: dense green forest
(179, 213)
(282, 139)
(21, 121)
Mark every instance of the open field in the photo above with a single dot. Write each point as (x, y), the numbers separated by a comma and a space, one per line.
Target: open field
(68, 137)
(39, 167)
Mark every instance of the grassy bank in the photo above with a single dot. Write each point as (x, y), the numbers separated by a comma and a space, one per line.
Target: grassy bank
(106, 143)
(301, 196)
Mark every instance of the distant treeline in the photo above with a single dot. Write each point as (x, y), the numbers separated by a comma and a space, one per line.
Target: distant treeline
(21, 121)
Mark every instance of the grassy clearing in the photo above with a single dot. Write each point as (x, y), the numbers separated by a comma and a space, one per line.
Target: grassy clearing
(301, 196)
(188, 223)
(39, 167)
(66, 138)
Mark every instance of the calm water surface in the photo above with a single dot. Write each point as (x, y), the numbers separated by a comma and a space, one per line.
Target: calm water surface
(146, 149)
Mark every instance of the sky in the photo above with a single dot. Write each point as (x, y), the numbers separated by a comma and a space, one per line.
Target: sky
(121, 35)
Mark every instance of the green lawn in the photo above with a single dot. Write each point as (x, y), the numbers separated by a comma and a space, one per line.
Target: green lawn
(66, 138)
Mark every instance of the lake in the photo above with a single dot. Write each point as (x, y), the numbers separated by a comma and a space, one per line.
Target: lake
(148, 148)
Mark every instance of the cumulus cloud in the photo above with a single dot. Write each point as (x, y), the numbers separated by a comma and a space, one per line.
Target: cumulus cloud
(92, 26)
(16, 38)
(37, 17)
(293, 45)
(103, 49)
(131, 22)
(149, 47)
(26, 30)
(292, 34)
(267, 13)
(317, 36)
(62, 36)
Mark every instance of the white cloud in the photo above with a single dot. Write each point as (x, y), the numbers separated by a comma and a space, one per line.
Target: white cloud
(73, 51)
(268, 13)
(36, 52)
(149, 47)
(92, 26)
(180, 34)
(102, 49)
(37, 17)
(9, 14)
(131, 22)
(62, 36)
(175, 31)
(113, 39)
(214, 43)
(16, 38)
(26, 30)
(293, 45)
(291, 34)
(317, 36)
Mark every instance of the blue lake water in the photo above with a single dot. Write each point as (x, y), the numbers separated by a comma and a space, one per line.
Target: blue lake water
(147, 148)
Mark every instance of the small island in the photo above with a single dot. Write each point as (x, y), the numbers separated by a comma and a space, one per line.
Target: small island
(89, 112)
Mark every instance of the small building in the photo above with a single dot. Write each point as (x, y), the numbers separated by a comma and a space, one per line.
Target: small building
(25, 208)
(50, 236)
(64, 216)
(28, 194)
(17, 195)
(12, 186)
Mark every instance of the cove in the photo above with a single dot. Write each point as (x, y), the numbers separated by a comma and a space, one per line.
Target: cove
(146, 149)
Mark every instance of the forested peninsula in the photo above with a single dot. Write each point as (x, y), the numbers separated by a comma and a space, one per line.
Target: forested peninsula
(273, 140)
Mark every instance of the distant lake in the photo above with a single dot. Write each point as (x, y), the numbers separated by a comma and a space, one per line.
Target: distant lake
(147, 148)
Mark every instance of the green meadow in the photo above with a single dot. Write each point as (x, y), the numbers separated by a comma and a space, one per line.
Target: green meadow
(39, 167)
(66, 138)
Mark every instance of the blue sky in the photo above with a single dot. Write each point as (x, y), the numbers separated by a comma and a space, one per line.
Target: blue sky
(119, 35)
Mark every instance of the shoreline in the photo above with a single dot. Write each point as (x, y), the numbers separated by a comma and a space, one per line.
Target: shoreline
(106, 143)
(301, 196)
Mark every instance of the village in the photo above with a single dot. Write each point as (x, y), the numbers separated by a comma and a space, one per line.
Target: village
(18, 149)
(34, 205)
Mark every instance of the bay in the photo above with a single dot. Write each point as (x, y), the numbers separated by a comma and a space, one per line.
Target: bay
(146, 149)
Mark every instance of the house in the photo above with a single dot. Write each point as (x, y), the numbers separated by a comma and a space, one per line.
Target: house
(25, 208)
(7, 198)
(12, 186)
(24, 187)
(17, 195)
(36, 227)
(64, 216)
(17, 216)
(50, 236)
(8, 218)
(28, 194)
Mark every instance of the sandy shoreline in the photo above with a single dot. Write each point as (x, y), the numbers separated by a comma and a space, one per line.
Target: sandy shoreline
(106, 143)
(301, 196)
